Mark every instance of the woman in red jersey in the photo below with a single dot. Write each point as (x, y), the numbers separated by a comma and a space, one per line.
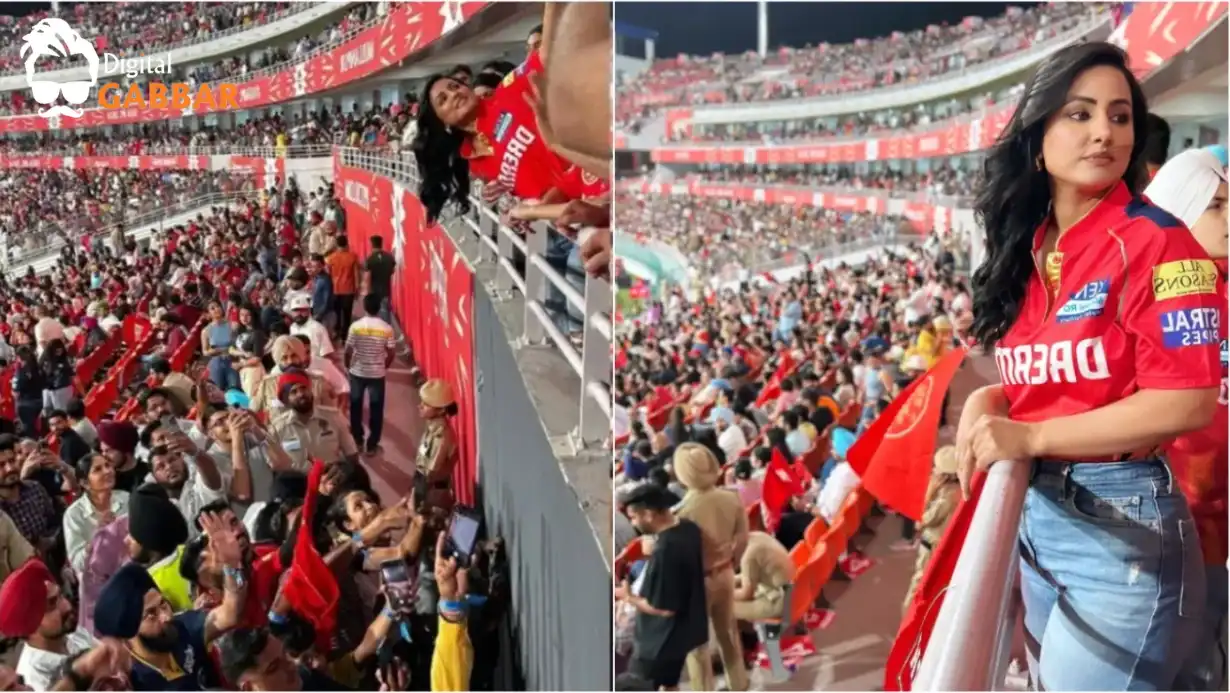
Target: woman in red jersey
(1104, 324)
(1192, 186)
(495, 139)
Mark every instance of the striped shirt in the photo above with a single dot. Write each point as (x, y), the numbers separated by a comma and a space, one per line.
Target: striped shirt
(370, 340)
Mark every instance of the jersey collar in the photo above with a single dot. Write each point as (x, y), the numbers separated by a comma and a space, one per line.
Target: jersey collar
(1111, 204)
(479, 145)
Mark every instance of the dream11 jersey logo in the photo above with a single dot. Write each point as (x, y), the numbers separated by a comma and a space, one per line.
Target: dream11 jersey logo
(53, 37)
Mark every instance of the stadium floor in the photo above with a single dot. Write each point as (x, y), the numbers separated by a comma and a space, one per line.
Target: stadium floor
(851, 650)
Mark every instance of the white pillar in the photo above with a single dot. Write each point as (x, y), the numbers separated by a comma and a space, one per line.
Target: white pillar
(762, 27)
(649, 50)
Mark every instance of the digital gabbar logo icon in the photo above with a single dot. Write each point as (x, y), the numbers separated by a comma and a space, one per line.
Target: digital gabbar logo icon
(53, 37)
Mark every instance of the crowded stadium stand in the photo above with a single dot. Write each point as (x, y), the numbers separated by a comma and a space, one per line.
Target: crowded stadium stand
(794, 250)
(350, 447)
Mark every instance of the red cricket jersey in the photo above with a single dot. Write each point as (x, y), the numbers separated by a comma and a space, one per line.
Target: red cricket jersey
(1137, 307)
(578, 184)
(1201, 463)
(520, 159)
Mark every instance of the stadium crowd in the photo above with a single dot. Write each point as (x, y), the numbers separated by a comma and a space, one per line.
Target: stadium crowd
(850, 125)
(724, 236)
(714, 391)
(944, 180)
(376, 126)
(792, 73)
(184, 501)
(43, 208)
(233, 68)
(126, 26)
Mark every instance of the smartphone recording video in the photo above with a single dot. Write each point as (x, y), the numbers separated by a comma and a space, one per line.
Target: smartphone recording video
(399, 587)
(462, 535)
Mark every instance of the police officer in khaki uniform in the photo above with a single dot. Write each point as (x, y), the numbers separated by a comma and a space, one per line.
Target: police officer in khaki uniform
(437, 454)
(289, 352)
(305, 431)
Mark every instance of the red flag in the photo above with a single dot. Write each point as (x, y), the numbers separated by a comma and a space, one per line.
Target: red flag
(919, 619)
(311, 587)
(780, 485)
(894, 456)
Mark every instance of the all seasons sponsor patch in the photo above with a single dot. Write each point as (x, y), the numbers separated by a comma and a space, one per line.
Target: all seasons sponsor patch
(1184, 278)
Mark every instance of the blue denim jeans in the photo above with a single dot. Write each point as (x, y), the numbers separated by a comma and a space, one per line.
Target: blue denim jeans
(1111, 576)
(564, 256)
(374, 387)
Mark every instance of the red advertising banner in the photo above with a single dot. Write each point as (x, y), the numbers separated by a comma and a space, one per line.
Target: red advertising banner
(142, 163)
(1154, 32)
(433, 293)
(408, 28)
(970, 135)
(923, 216)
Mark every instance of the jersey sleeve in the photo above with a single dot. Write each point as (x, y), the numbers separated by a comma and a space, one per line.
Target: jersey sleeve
(1171, 306)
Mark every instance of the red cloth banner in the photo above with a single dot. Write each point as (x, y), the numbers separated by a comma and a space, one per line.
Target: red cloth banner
(967, 135)
(433, 295)
(408, 28)
(915, 630)
(1154, 32)
(893, 457)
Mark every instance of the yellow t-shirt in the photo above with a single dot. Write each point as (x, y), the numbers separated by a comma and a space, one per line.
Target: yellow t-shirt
(452, 659)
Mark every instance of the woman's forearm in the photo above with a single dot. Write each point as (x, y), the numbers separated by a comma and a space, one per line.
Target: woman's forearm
(1145, 418)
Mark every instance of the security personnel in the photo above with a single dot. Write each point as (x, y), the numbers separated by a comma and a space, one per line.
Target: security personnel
(306, 432)
(289, 352)
(437, 454)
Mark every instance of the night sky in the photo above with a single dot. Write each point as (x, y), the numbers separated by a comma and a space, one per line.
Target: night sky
(702, 28)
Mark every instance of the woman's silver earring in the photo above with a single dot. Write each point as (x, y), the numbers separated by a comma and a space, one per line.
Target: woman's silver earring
(1038, 164)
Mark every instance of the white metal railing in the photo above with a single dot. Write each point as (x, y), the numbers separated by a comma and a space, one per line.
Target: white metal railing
(972, 636)
(57, 241)
(984, 66)
(497, 246)
(294, 9)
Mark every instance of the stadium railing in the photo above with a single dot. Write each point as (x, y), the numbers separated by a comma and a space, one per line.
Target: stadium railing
(294, 9)
(498, 244)
(971, 639)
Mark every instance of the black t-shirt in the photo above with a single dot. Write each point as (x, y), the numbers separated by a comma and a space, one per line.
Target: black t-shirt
(674, 581)
(381, 265)
(131, 479)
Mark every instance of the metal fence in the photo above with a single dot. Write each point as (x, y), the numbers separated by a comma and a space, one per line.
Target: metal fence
(561, 582)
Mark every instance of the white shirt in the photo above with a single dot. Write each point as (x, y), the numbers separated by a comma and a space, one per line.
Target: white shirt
(322, 343)
(732, 442)
(840, 483)
(196, 495)
(80, 523)
(41, 669)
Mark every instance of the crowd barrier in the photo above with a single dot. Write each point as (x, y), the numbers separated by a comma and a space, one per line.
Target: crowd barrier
(560, 576)
(377, 45)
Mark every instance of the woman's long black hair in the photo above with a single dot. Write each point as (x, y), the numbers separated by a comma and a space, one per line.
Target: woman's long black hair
(444, 175)
(1015, 197)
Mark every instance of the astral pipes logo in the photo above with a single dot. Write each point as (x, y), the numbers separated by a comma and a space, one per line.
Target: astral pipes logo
(53, 37)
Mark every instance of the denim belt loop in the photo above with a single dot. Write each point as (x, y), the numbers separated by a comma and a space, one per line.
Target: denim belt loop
(1067, 490)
